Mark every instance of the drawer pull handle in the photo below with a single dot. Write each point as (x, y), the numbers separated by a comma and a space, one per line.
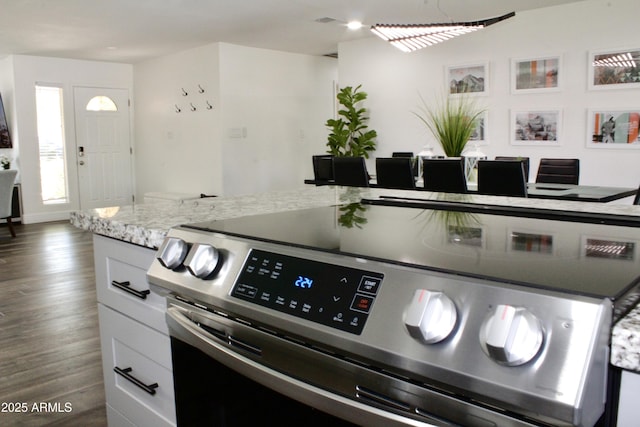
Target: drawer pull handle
(151, 388)
(126, 286)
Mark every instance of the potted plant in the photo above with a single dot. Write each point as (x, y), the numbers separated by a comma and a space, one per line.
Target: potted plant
(5, 163)
(350, 135)
(452, 121)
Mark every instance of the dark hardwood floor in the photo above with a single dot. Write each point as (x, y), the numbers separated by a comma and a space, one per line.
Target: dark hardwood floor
(50, 363)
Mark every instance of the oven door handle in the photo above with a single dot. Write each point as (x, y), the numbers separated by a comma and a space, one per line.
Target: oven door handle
(184, 329)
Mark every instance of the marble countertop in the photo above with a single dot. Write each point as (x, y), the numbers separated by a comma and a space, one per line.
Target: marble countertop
(625, 342)
(147, 224)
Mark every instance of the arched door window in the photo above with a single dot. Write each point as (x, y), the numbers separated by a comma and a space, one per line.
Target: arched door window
(101, 103)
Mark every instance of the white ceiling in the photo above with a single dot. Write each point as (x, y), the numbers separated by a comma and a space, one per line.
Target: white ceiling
(134, 30)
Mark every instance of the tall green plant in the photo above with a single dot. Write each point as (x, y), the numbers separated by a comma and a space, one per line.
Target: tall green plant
(350, 135)
(452, 121)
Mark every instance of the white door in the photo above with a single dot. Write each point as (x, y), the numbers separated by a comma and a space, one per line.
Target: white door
(103, 147)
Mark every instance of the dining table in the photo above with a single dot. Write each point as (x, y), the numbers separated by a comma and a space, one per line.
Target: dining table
(580, 193)
(572, 192)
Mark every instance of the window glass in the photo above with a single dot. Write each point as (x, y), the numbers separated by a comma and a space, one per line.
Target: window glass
(50, 122)
(101, 103)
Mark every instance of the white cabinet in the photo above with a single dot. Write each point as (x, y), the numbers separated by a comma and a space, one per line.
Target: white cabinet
(136, 349)
(628, 403)
(142, 388)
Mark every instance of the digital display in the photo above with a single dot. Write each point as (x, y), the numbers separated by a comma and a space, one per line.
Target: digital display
(304, 282)
(333, 295)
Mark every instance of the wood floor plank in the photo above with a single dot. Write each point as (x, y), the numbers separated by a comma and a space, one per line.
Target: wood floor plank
(50, 355)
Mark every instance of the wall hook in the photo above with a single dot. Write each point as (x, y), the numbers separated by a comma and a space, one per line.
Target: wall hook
(209, 106)
(193, 107)
(200, 89)
(177, 108)
(184, 92)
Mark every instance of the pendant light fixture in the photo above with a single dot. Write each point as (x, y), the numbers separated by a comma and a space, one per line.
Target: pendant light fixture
(616, 60)
(410, 37)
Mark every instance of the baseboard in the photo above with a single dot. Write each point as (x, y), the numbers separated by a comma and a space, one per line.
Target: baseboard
(45, 217)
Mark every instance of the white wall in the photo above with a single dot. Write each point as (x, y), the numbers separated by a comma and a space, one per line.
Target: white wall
(274, 108)
(394, 81)
(29, 70)
(178, 152)
(268, 118)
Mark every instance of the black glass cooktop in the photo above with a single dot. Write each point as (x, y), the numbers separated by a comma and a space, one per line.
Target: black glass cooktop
(593, 258)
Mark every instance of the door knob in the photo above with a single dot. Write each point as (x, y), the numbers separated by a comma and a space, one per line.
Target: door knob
(81, 162)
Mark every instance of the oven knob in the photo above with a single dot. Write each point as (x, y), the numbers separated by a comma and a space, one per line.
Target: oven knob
(172, 252)
(202, 260)
(431, 316)
(511, 336)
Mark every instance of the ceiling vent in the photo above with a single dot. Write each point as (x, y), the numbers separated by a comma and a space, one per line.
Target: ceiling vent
(326, 20)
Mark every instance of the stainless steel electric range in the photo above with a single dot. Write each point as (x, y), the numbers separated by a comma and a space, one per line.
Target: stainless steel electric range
(397, 313)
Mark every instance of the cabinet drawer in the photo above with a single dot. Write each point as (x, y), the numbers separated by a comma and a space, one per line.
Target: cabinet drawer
(121, 280)
(116, 419)
(143, 390)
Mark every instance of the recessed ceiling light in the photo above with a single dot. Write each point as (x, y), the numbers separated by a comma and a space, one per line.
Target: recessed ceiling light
(354, 25)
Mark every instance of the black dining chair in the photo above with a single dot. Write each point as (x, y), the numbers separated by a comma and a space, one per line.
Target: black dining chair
(502, 178)
(524, 160)
(414, 160)
(395, 172)
(444, 175)
(402, 154)
(323, 167)
(558, 171)
(350, 171)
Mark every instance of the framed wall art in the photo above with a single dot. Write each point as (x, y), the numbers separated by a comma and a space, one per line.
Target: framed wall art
(468, 79)
(613, 128)
(5, 136)
(595, 247)
(520, 241)
(535, 75)
(466, 236)
(479, 136)
(535, 127)
(614, 69)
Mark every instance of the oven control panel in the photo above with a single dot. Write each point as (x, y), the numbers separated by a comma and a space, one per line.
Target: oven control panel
(332, 295)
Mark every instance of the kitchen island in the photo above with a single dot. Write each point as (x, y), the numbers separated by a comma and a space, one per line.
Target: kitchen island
(145, 225)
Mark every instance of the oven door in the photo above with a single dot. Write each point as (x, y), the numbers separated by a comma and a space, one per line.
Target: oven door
(230, 374)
